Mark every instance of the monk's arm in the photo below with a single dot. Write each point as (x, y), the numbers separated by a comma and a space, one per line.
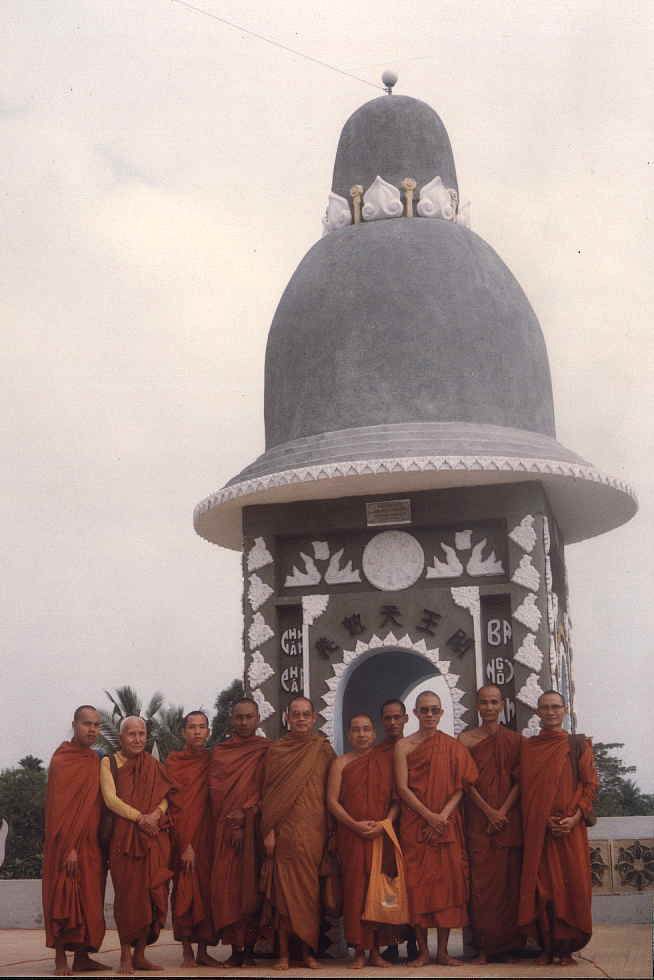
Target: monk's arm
(336, 808)
(586, 791)
(110, 797)
(407, 795)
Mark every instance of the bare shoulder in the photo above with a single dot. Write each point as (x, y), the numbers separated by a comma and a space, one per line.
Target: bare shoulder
(340, 761)
(406, 745)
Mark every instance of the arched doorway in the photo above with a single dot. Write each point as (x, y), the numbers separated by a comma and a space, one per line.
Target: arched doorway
(376, 677)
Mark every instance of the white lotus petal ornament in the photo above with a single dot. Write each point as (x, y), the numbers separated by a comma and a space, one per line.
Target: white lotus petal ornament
(381, 200)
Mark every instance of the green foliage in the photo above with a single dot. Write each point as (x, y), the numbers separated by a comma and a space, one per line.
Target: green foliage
(618, 796)
(22, 797)
(126, 702)
(223, 704)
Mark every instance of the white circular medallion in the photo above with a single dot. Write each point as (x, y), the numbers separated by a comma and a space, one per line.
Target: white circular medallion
(393, 560)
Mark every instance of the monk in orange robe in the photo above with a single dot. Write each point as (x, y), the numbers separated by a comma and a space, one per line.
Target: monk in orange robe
(135, 788)
(431, 772)
(558, 782)
(359, 795)
(493, 829)
(235, 781)
(189, 811)
(294, 825)
(73, 868)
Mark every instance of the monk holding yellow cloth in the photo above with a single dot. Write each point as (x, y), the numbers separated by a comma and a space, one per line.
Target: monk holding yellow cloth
(360, 795)
(73, 868)
(235, 782)
(294, 825)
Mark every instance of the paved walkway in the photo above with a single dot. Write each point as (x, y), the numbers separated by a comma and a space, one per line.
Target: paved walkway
(615, 951)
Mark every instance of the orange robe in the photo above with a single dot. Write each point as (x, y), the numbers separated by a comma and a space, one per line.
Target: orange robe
(293, 804)
(235, 780)
(436, 868)
(495, 859)
(192, 824)
(366, 794)
(139, 864)
(556, 874)
(73, 908)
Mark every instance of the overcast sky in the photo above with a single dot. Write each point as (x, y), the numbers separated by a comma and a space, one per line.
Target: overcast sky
(162, 176)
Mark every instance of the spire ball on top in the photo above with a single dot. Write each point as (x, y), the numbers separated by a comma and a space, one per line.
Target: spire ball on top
(389, 78)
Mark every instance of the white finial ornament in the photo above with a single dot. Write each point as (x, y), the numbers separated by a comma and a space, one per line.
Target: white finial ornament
(389, 78)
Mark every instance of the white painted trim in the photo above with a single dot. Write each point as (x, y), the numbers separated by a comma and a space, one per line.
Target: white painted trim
(467, 596)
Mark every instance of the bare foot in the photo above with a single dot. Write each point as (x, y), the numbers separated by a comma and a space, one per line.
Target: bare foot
(281, 964)
(236, 959)
(357, 962)
(126, 967)
(376, 959)
(444, 959)
(205, 959)
(82, 963)
(141, 963)
(62, 969)
(310, 962)
(545, 959)
(480, 960)
(422, 959)
(567, 961)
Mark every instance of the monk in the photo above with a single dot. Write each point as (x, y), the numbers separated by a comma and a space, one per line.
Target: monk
(493, 829)
(394, 718)
(360, 795)
(135, 788)
(189, 811)
(294, 828)
(558, 782)
(235, 781)
(73, 869)
(431, 772)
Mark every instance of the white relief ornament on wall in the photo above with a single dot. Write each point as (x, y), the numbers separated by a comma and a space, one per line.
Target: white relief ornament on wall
(483, 566)
(259, 632)
(451, 568)
(313, 606)
(437, 201)
(258, 592)
(381, 200)
(533, 727)
(524, 535)
(530, 692)
(334, 575)
(337, 213)
(526, 574)
(528, 613)
(529, 654)
(393, 560)
(259, 556)
(265, 708)
(259, 671)
(463, 540)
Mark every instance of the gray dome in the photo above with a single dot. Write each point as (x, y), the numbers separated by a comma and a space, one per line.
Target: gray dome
(404, 321)
(396, 137)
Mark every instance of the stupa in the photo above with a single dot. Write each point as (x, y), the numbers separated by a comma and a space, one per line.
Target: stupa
(405, 526)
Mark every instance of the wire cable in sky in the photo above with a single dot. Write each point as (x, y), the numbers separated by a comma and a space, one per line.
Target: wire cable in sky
(276, 44)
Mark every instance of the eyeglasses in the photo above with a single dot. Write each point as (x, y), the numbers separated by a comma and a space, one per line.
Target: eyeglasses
(433, 710)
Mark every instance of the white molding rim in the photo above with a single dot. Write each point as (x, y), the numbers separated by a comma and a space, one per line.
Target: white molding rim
(408, 464)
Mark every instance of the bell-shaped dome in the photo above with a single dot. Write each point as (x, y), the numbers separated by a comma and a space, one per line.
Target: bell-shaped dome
(403, 354)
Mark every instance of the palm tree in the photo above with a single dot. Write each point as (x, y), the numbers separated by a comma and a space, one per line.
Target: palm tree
(126, 702)
(167, 730)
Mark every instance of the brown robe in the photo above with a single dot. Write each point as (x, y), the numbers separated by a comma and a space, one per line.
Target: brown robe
(139, 864)
(556, 874)
(495, 858)
(235, 780)
(366, 793)
(293, 804)
(73, 908)
(188, 808)
(436, 867)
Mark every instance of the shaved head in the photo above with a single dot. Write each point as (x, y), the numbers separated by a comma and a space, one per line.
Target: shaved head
(129, 721)
(549, 694)
(428, 694)
(359, 715)
(487, 688)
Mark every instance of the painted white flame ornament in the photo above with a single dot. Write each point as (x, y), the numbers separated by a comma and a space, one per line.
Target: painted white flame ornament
(381, 200)
(337, 214)
(437, 201)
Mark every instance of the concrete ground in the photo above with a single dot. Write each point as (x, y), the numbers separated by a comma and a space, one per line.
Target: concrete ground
(615, 951)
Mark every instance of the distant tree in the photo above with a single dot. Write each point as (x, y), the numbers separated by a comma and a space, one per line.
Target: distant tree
(127, 702)
(22, 796)
(167, 730)
(618, 796)
(222, 705)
